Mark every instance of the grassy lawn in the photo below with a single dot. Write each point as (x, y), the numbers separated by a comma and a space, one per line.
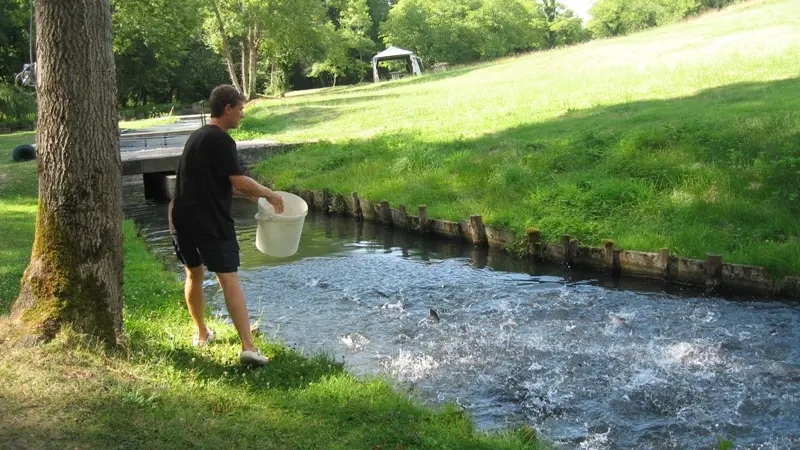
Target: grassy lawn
(157, 391)
(146, 123)
(685, 137)
(9, 141)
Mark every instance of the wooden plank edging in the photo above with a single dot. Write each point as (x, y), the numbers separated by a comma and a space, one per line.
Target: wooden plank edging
(712, 273)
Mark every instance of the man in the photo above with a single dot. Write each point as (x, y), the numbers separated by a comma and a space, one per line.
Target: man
(209, 174)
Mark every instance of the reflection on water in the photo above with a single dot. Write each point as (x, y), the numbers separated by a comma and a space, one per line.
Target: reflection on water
(589, 360)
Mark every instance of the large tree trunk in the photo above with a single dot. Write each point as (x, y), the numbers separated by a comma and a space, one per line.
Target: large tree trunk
(226, 48)
(75, 275)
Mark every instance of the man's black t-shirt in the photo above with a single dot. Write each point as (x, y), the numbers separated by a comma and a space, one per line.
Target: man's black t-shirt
(203, 192)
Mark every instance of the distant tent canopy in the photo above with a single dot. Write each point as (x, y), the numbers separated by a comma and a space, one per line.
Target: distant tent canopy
(393, 53)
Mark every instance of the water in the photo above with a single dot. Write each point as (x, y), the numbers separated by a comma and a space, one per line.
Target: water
(590, 361)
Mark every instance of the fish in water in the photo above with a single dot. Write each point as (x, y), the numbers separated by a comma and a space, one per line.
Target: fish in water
(617, 320)
(433, 315)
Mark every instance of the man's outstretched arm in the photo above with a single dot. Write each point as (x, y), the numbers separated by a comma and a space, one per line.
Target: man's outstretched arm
(248, 187)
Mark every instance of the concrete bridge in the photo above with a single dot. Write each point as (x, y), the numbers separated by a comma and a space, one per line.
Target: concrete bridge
(155, 152)
(158, 165)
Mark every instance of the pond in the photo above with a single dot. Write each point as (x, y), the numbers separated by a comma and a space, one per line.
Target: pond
(589, 360)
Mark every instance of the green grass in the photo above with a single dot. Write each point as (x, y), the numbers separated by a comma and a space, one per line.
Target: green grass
(686, 137)
(157, 391)
(146, 123)
(18, 183)
(9, 141)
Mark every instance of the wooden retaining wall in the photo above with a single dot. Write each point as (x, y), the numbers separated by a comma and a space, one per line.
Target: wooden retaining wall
(713, 272)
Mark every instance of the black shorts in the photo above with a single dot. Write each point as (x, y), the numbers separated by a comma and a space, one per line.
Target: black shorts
(218, 256)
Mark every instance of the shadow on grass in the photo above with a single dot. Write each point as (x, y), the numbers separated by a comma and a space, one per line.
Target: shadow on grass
(119, 413)
(306, 117)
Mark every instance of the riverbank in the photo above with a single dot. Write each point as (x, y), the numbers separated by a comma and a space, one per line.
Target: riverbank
(157, 391)
(682, 137)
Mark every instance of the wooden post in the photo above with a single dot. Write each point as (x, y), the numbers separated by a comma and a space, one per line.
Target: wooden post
(573, 251)
(356, 206)
(386, 213)
(565, 248)
(713, 271)
(663, 258)
(307, 197)
(403, 216)
(534, 239)
(424, 226)
(608, 255)
(478, 231)
(326, 201)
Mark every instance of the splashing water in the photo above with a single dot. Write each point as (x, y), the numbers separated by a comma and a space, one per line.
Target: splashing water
(586, 362)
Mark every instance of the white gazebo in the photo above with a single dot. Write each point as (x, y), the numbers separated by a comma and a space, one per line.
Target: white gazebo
(393, 53)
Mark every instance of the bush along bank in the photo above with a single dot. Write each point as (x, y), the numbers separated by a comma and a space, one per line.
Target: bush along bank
(712, 273)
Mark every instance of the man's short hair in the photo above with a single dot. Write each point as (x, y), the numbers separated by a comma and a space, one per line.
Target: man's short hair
(222, 96)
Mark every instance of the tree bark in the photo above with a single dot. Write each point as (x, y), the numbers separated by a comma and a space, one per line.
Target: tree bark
(75, 274)
(255, 43)
(226, 47)
(245, 68)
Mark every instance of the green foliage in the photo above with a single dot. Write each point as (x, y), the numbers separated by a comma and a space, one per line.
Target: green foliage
(435, 30)
(159, 53)
(458, 31)
(346, 45)
(17, 108)
(502, 27)
(14, 37)
(619, 17)
(279, 32)
(378, 11)
(562, 27)
(568, 30)
(716, 4)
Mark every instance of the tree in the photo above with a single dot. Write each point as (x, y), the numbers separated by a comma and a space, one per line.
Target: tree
(378, 11)
(154, 42)
(459, 31)
(278, 29)
(568, 29)
(619, 17)
(434, 29)
(346, 45)
(75, 274)
(563, 27)
(502, 27)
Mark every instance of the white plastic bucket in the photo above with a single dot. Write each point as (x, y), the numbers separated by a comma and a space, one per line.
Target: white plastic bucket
(278, 235)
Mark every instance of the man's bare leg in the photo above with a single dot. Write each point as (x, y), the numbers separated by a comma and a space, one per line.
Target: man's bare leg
(237, 307)
(193, 291)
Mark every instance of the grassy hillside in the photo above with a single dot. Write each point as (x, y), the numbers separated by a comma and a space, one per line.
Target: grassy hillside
(686, 137)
